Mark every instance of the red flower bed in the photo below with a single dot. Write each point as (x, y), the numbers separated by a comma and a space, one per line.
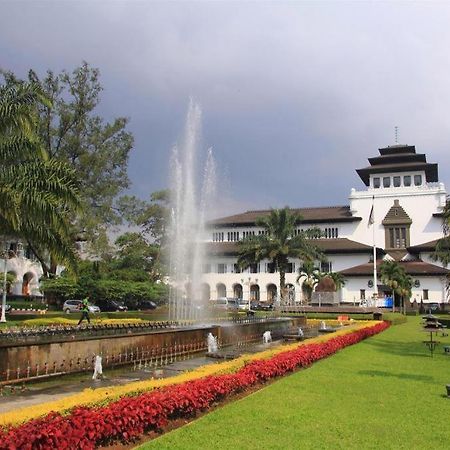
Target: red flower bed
(129, 417)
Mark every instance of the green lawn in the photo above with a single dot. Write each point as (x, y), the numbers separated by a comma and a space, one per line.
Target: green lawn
(386, 392)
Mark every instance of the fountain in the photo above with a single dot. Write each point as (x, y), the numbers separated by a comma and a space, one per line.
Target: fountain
(211, 340)
(186, 229)
(267, 337)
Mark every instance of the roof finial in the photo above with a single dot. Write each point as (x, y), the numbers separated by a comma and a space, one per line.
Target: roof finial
(396, 135)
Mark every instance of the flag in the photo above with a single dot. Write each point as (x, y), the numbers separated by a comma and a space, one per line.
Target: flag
(371, 216)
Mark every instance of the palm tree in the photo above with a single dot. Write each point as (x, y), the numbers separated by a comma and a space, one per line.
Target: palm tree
(36, 192)
(309, 275)
(394, 276)
(339, 280)
(442, 252)
(404, 290)
(278, 243)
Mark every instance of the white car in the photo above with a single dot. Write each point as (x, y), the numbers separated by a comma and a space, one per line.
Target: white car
(74, 306)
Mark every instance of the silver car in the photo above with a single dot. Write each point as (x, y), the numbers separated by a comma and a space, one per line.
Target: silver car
(74, 306)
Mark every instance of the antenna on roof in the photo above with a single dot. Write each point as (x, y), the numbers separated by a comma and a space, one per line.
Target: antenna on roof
(396, 135)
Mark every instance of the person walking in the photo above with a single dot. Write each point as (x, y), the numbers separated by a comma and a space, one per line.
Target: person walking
(85, 311)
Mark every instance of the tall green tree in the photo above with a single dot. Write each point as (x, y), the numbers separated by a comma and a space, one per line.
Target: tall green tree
(134, 251)
(152, 218)
(73, 132)
(278, 244)
(394, 276)
(38, 194)
(308, 275)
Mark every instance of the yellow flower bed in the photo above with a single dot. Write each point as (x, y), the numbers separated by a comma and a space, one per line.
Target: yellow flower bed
(103, 396)
(68, 321)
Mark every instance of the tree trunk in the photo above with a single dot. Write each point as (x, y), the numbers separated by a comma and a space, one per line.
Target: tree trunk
(45, 267)
(282, 287)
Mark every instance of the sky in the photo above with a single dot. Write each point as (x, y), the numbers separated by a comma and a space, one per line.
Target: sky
(294, 95)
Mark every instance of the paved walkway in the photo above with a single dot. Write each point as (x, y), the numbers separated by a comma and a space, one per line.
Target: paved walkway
(47, 391)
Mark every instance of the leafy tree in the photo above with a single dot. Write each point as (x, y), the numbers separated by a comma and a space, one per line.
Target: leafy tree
(73, 132)
(278, 243)
(38, 193)
(152, 217)
(133, 251)
(394, 276)
(309, 275)
(338, 278)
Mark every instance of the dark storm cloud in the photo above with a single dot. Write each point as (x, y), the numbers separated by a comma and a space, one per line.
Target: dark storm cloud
(295, 96)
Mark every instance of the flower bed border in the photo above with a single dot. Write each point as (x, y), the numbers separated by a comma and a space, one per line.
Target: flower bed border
(130, 417)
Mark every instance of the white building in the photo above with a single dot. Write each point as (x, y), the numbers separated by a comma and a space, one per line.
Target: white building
(25, 271)
(407, 200)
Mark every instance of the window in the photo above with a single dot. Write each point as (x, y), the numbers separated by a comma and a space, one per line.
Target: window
(326, 267)
(221, 268)
(254, 268)
(386, 182)
(407, 180)
(362, 294)
(425, 294)
(270, 268)
(396, 181)
(290, 268)
(417, 180)
(236, 268)
(206, 268)
(218, 236)
(376, 182)
(397, 237)
(233, 236)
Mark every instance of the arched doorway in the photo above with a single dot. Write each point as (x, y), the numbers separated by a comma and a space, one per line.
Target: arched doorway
(238, 291)
(221, 290)
(254, 293)
(206, 292)
(271, 293)
(26, 283)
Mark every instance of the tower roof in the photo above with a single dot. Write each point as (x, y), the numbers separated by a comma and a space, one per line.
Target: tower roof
(399, 158)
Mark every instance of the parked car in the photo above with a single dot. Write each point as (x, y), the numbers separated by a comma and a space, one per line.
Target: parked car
(111, 306)
(226, 303)
(264, 307)
(147, 304)
(74, 306)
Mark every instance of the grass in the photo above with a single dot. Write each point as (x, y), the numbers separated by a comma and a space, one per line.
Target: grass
(59, 317)
(386, 392)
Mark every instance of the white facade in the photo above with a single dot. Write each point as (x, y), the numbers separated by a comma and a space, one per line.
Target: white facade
(407, 200)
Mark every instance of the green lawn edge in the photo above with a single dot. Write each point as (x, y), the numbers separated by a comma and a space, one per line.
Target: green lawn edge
(385, 392)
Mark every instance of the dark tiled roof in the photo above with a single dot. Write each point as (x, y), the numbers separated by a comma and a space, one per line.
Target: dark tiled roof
(396, 215)
(396, 149)
(328, 246)
(398, 158)
(309, 215)
(425, 247)
(431, 170)
(411, 268)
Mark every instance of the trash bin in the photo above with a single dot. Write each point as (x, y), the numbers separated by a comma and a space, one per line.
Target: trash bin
(377, 316)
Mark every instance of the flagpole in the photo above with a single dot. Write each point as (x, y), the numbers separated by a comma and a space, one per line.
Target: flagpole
(375, 287)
